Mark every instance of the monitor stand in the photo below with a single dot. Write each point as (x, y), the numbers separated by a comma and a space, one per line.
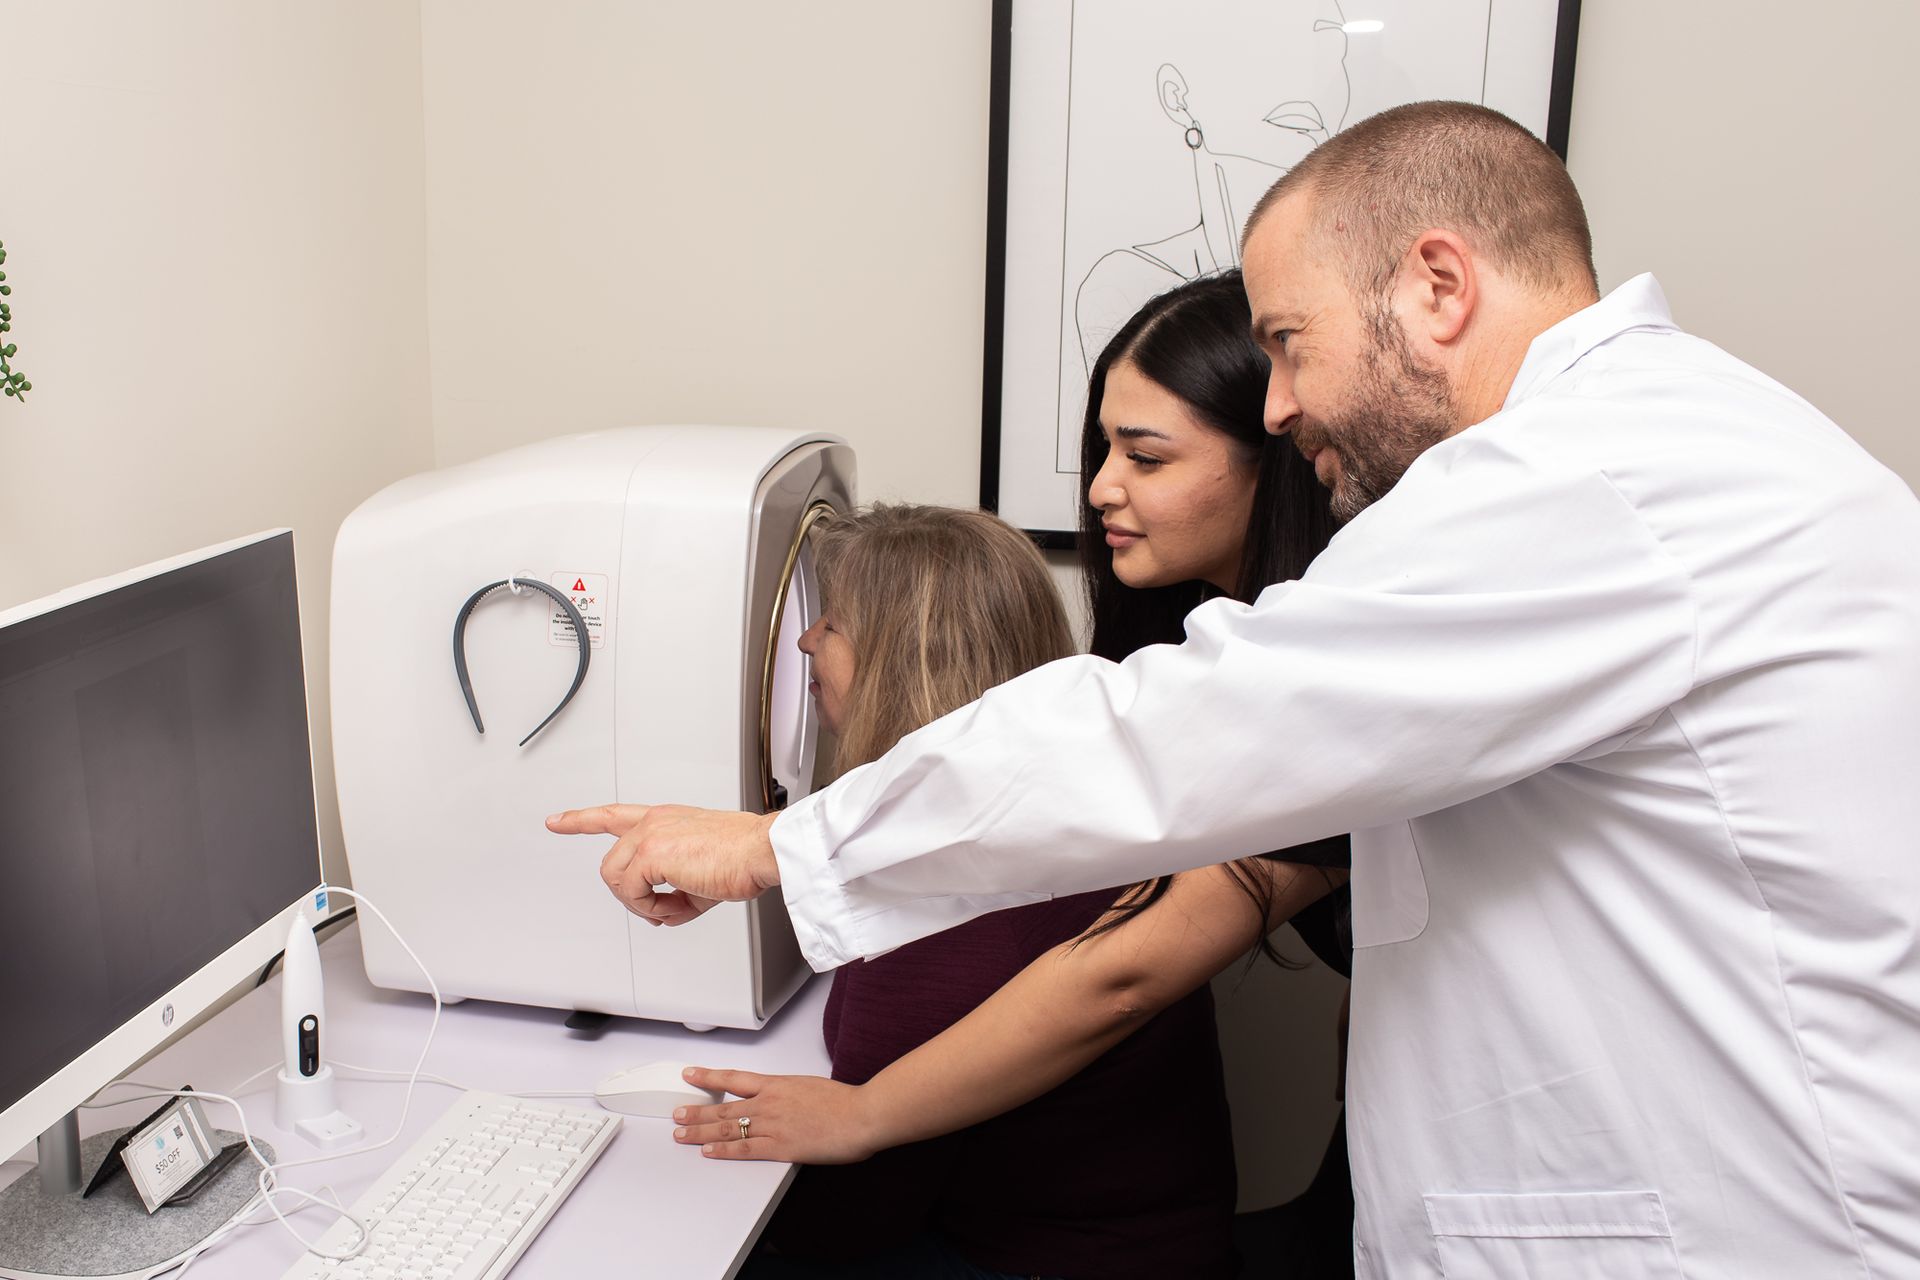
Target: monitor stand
(49, 1231)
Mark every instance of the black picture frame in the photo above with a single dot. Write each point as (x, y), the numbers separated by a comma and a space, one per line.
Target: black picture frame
(1060, 533)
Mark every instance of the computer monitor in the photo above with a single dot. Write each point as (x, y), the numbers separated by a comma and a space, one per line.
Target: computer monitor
(157, 824)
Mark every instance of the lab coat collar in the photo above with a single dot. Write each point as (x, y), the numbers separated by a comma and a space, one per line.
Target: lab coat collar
(1638, 304)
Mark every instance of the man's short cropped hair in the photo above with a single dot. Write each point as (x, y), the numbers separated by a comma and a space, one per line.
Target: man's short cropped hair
(1455, 166)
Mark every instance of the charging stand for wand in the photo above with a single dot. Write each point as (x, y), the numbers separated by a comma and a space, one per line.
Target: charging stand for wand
(305, 1105)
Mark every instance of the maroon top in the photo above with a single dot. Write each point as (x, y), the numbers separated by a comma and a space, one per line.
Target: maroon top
(1125, 1170)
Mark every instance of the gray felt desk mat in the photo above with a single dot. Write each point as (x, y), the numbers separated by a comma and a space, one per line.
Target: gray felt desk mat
(110, 1233)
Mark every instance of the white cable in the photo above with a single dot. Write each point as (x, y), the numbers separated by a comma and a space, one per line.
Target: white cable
(267, 1183)
(406, 1104)
(192, 1255)
(159, 1091)
(241, 1088)
(233, 1224)
(429, 1078)
(392, 1076)
(246, 1212)
(555, 1093)
(267, 1186)
(245, 1218)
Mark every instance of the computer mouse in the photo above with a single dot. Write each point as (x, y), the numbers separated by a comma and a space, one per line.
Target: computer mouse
(652, 1089)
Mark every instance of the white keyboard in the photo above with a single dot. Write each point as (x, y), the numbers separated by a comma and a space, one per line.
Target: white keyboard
(465, 1201)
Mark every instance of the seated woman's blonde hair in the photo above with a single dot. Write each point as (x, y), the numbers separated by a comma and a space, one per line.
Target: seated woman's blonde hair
(939, 605)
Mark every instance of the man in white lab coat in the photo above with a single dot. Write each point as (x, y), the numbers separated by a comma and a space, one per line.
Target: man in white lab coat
(1615, 674)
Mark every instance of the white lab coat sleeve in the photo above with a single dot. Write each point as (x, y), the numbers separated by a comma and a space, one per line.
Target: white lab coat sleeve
(1487, 620)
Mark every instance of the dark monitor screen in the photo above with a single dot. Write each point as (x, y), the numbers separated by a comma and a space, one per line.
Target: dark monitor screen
(156, 795)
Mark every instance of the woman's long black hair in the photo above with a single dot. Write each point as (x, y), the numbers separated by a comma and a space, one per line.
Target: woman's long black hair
(1194, 341)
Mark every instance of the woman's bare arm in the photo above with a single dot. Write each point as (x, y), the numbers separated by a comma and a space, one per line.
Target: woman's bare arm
(1057, 1015)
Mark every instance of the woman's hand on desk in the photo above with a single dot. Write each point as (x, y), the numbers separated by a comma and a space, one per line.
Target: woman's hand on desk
(800, 1119)
(706, 855)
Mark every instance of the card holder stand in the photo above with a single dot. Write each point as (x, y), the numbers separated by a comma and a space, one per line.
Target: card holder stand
(205, 1178)
(114, 1165)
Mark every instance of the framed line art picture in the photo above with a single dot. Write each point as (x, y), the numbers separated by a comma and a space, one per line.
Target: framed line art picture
(1128, 141)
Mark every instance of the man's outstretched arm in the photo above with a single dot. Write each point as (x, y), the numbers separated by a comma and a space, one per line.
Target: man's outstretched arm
(1422, 662)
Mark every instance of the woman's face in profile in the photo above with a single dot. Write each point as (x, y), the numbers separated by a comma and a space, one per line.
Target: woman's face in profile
(832, 657)
(1174, 494)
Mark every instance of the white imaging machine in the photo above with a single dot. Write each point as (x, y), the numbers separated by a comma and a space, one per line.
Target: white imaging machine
(619, 611)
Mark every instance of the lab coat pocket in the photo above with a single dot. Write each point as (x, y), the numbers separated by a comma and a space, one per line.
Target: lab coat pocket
(1570, 1235)
(1389, 889)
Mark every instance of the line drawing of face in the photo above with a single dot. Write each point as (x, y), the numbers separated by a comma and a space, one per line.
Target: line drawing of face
(1174, 494)
(1231, 117)
(1240, 140)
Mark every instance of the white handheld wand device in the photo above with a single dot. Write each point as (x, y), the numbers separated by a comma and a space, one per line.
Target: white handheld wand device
(304, 1103)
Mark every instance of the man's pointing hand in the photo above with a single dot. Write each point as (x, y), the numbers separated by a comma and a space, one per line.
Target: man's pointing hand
(704, 856)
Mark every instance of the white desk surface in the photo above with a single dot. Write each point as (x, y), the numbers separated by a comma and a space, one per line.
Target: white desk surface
(649, 1207)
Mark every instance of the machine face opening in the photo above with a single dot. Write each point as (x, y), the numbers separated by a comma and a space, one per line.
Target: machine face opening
(789, 723)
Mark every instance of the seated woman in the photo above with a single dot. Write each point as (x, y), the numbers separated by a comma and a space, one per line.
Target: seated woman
(924, 609)
(1189, 498)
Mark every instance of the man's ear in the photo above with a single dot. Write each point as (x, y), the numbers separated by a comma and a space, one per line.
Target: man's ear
(1440, 286)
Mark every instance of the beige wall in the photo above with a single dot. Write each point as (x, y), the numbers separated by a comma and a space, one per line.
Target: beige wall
(214, 224)
(1760, 159)
(243, 234)
(767, 212)
(761, 213)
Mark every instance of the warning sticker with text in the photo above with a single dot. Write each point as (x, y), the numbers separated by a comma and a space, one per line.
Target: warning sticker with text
(588, 591)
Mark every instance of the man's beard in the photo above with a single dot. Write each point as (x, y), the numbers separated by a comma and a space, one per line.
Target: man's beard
(1398, 408)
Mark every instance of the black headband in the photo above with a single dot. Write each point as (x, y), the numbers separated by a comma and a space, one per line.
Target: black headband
(460, 646)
